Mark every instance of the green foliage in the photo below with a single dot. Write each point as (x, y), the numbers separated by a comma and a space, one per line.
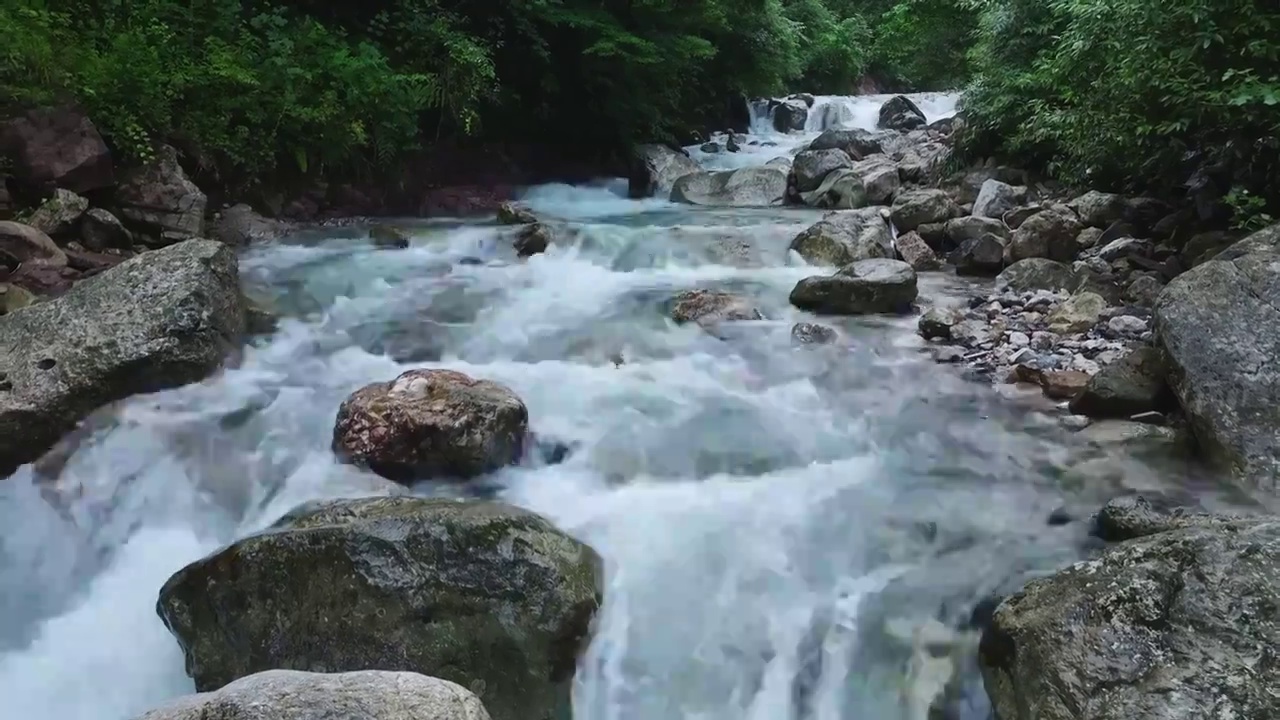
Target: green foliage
(923, 44)
(1129, 92)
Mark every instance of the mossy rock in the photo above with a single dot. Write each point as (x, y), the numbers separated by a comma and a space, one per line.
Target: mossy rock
(480, 593)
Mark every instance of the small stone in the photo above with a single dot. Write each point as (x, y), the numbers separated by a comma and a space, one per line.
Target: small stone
(1019, 340)
(1126, 326)
(1084, 365)
(1063, 384)
(937, 323)
(812, 334)
(948, 354)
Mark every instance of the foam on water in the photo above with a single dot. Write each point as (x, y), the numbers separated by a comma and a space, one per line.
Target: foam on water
(761, 508)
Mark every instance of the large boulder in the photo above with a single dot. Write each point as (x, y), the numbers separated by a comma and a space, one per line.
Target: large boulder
(1219, 325)
(812, 166)
(996, 198)
(867, 286)
(962, 229)
(1048, 234)
(857, 143)
(1037, 274)
(1131, 385)
(880, 179)
(900, 113)
(483, 594)
(1179, 624)
(240, 225)
(57, 147)
(980, 256)
(790, 115)
(1098, 209)
(914, 251)
(360, 695)
(22, 244)
(159, 320)
(744, 187)
(160, 200)
(914, 208)
(844, 237)
(655, 169)
(58, 216)
(841, 189)
(431, 424)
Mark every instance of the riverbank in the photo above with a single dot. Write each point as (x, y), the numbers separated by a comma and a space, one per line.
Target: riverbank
(784, 496)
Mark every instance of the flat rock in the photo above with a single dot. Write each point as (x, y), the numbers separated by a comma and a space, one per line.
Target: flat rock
(482, 594)
(863, 287)
(744, 187)
(844, 237)
(360, 695)
(159, 320)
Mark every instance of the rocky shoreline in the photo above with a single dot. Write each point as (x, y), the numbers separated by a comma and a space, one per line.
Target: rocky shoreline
(121, 283)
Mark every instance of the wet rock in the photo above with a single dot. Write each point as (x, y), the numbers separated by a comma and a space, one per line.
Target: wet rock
(388, 236)
(1143, 291)
(532, 239)
(806, 333)
(811, 166)
(731, 143)
(22, 245)
(914, 208)
(159, 320)
(866, 286)
(843, 237)
(996, 199)
(482, 594)
(936, 323)
(962, 229)
(790, 115)
(57, 147)
(1036, 274)
(1220, 328)
(431, 424)
(857, 143)
(744, 187)
(980, 256)
(1078, 313)
(160, 199)
(100, 230)
(1142, 514)
(709, 307)
(1132, 385)
(1167, 626)
(711, 148)
(241, 226)
(655, 169)
(880, 179)
(362, 695)
(916, 252)
(900, 113)
(57, 217)
(1049, 234)
(510, 213)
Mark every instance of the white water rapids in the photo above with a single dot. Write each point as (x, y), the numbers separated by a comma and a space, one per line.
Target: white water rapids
(765, 511)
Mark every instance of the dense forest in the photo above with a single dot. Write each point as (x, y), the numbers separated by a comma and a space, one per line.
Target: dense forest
(1123, 93)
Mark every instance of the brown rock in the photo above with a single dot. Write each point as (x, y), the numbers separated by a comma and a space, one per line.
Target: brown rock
(90, 263)
(57, 147)
(431, 424)
(24, 245)
(44, 280)
(710, 307)
(1063, 384)
(916, 252)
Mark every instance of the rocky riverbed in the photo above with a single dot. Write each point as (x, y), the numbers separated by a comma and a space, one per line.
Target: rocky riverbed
(801, 422)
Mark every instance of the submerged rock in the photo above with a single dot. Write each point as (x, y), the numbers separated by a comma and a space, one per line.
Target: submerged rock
(532, 239)
(710, 307)
(159, 320)
(388, 236)
(744, 187)
(867, 286)
(360, 695)
(806, 333)
(431, 424)
(483, 594)
(1219, 326)
(1176, 625)
(655, 169)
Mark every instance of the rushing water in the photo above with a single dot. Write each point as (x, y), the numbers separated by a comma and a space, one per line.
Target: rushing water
(777, 520)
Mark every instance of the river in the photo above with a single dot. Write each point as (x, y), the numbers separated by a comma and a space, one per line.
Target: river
(776, 520)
